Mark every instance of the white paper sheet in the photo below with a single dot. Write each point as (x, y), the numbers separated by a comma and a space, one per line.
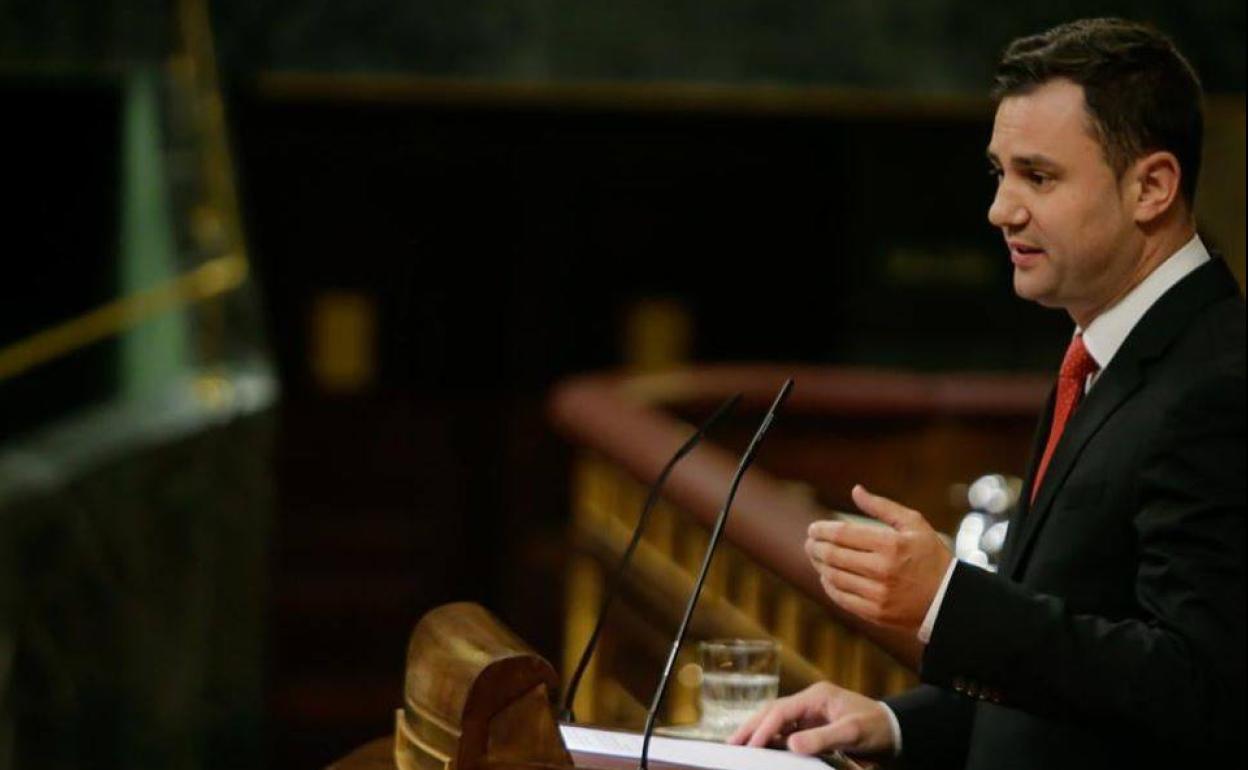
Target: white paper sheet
(717, 756)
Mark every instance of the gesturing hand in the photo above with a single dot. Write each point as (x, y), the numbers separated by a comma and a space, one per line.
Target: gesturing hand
(823, 717)
(886, 575)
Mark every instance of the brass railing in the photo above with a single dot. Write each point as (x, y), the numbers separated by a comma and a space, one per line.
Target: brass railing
(214, 263)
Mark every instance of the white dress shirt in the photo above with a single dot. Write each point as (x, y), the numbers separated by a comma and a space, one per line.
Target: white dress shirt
(1103, 337)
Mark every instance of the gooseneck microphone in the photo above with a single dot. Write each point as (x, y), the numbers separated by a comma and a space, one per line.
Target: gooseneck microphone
(566, 714)
(746, 459)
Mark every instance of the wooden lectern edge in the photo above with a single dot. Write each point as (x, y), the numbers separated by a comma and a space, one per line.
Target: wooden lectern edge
(403, 758)
(475, 697)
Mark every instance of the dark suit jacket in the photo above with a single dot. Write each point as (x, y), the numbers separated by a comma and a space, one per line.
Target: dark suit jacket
(1113, 634)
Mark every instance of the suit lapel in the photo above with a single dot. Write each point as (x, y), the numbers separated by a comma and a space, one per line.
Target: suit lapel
(1116, 384)
(1124, 375)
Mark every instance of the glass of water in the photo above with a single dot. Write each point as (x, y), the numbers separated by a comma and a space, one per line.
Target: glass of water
(739, 676)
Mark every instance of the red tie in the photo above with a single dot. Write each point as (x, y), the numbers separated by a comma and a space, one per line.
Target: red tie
(1077, 366)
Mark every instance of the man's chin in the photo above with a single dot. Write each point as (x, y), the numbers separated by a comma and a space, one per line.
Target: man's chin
(1030, 285)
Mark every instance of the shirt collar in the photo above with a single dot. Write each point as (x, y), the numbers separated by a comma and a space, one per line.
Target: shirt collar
(1105, 335)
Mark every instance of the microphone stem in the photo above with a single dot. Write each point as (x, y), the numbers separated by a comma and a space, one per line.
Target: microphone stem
(566, 713)
(716, 532)
(652, 715)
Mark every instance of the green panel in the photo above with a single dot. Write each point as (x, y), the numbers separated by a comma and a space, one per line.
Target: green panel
(154, 353)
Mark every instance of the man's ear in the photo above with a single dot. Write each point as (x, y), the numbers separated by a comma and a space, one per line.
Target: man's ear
(1156, 176)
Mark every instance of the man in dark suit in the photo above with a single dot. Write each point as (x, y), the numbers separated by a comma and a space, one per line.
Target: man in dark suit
(1113, 634)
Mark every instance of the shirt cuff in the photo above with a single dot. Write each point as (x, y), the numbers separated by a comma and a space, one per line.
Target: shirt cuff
(894, 726)
(929, 621)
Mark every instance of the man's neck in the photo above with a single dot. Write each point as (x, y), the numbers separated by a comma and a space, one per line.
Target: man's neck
(1157, 249)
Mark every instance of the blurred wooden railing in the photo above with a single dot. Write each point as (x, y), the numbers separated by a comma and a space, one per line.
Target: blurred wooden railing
(911, 436)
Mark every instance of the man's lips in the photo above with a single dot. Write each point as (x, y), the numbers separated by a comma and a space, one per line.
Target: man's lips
(1024, 254)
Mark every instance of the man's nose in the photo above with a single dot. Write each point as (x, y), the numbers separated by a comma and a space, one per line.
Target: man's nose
(1006, 210)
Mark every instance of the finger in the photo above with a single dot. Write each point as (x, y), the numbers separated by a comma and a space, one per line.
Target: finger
(861, 537)
(743, 733)
(835, 735)
(811, 552)
(781, 713)
(891, 513)
(850, 602)
(747, 728)
(848, 582)
(869, 565)
(771, 725)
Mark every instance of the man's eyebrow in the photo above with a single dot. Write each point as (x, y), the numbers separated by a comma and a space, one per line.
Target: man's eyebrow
(1033, 161)
(1024, 161)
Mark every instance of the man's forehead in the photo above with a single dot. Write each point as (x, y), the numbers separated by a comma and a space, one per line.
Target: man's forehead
(1051, 119)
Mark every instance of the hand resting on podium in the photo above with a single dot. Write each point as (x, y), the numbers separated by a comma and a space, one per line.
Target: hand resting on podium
(820, 719)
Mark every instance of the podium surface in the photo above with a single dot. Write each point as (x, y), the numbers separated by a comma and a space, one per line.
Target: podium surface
(379, 755)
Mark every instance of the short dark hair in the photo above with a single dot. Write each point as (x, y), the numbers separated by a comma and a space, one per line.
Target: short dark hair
(1141, 94)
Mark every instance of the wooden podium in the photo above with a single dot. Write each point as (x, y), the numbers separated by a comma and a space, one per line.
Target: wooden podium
(475, 697)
